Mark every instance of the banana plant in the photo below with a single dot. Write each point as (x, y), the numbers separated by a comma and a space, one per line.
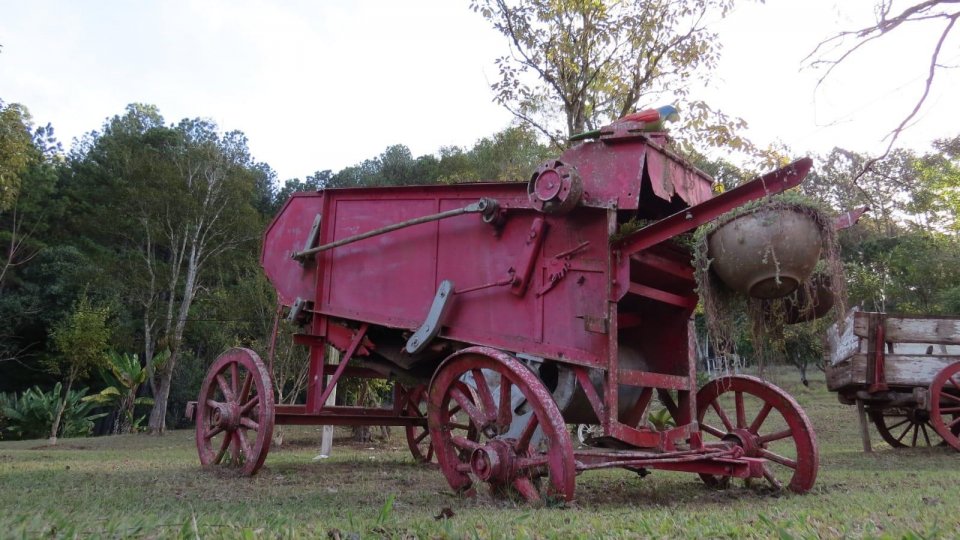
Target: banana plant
(123, 376)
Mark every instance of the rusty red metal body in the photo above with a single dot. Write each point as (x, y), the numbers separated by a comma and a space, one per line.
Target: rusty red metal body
(506, 310)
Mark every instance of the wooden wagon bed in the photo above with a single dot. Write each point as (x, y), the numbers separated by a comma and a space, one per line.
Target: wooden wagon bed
(899, 371)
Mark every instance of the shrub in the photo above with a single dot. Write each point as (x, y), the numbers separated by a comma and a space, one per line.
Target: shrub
(30, 415)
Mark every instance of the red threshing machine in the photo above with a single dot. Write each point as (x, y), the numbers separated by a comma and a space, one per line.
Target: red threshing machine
(503, 312)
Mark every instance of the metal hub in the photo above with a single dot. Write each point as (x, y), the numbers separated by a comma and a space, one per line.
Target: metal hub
(746, 440)
(493, 462)
(226, 416)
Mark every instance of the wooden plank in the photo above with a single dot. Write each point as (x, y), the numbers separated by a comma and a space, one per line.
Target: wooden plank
(840, 375)
(944, 331)
(901, 369)
(842, 345)
(933, 331)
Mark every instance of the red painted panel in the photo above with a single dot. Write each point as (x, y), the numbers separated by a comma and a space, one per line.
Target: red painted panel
(286, 234)
(390, 278)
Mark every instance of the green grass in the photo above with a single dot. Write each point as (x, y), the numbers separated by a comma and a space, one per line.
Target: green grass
(140, 486)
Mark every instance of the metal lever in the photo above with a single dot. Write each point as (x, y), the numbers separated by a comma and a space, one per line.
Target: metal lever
(486, 206)
(431, 327)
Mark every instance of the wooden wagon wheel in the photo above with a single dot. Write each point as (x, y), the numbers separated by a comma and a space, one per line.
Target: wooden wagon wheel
(903, 427)
(945, 404)
(767, 423)
(235, 412)
(521, 435)
(418, 436)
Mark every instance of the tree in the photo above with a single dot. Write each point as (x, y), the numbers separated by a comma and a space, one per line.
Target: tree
(160, 206)
(833, 51)
(17, 151)
(592, 61)
(82, 340)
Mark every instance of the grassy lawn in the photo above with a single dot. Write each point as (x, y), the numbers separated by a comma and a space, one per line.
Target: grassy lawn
(144, 486)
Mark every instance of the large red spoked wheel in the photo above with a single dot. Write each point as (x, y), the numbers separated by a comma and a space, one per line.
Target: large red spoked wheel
(945, 404)
(521, 436)
(767, 423)
(235, 412)
(903, 427)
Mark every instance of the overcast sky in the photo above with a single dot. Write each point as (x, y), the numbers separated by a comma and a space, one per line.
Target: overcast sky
(323, 84)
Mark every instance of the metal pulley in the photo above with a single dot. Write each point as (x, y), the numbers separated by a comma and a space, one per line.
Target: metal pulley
(555, 188)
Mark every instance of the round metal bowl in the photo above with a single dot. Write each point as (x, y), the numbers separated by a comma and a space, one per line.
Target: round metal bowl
(766, 253)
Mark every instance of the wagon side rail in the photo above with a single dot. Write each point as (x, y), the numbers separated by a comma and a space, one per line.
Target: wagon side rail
(875, 352)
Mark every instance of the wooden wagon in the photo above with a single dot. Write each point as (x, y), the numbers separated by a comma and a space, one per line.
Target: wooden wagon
(902, 373)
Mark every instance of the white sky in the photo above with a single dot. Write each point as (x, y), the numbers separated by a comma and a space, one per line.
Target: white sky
(323, 84)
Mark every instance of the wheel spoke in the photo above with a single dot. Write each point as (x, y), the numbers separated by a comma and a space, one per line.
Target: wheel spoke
(224, 444)
(250, 404)
(534, 461)
(770, 478)
(777, 458)
(523, 443)
(954, 423)
(898, 424)
(244, 444)
(722, 415)
(456, 425)
(249, 424)
(949, 409)
(712, 430)
(765, 439)
(464, 443)
(761, 416)
(429, 456)
(950, 396)
(245, 389)
(216, 430)
(225, 388)
(741, 412)
(916, 431)
(505, 412)
(234, 377)
(421, 437)
(925, 436)
(954, 382)
(902, 435)
(524, 485)
(213, 403)
(486, 397)
(467, 405)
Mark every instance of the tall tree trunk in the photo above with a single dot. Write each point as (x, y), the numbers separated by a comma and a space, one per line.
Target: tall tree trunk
(158, 414)
(63, 405)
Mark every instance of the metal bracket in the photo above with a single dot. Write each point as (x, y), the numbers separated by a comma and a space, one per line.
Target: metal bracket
(435, 317)
(312, 238)
(296, 310)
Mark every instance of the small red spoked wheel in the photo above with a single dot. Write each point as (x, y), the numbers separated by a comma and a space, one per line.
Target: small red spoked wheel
(521, 437)
(903, 427)
(767, 423)
(945, 404)
(235, 412)
(418, 437)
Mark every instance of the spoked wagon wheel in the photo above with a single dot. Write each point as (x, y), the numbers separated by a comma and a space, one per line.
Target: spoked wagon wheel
(903, 427)
(235, 412)
(945, 404)
(418, 437)
(521, 435)
(767, 423)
